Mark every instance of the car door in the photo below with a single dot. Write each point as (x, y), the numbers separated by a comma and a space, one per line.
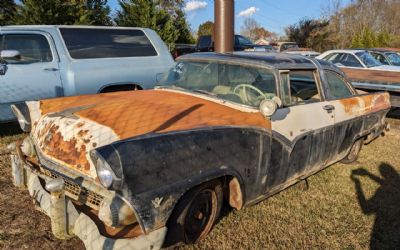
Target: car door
(33, 75)
(348, 121)
(302, 128)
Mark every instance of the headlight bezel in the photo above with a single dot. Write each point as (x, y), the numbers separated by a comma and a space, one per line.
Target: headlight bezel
(105, 173)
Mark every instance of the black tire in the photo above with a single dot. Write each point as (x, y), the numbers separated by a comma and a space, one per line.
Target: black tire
(354, 152)
(195, 214)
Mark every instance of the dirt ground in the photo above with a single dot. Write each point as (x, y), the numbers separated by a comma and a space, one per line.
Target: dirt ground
(343, 207)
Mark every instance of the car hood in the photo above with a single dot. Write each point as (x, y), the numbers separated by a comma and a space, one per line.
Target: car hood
(66, 129)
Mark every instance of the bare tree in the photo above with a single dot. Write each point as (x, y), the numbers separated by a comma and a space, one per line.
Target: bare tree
(253, 30)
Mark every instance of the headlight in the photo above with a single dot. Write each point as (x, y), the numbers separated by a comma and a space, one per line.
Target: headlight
(21, 111)
(106, 175)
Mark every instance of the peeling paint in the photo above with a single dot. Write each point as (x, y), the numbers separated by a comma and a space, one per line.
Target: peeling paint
(68, 141)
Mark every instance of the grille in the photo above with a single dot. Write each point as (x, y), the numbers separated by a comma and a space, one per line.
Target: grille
(76, 192)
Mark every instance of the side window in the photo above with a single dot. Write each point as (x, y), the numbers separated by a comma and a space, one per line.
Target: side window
(205, 41)
(106, 43)
(33, 48)
(350, 61)
(332, 57)
(299, 87)
(380, 58)
(337, 86)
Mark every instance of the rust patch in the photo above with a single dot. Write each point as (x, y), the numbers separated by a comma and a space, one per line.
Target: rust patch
(80, 124)
(83, 133)
(235, 194)
(371, 103)
(349, 104)
(134, 113)
(54, 145)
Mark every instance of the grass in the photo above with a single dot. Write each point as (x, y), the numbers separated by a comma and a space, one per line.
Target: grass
(327, 214)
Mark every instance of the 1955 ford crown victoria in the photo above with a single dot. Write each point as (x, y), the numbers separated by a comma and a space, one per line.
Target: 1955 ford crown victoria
(149, 169)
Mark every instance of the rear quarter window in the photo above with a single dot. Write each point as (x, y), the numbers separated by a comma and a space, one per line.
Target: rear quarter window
(106, 43)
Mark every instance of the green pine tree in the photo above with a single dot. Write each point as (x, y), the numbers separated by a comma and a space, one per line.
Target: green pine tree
(356, 41)
(99, 12)
(185, 35)
(50, 12)
(383, 39)
(148, 14)
(85, 12)
(7, 12)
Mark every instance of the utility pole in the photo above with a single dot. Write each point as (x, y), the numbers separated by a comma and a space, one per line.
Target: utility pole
(224, 25)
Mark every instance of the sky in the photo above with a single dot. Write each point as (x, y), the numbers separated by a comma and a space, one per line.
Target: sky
(274, 15)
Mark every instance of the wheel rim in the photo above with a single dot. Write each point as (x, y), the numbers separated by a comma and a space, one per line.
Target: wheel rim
(200, 216)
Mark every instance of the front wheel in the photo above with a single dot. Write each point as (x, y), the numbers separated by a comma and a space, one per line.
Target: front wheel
(354, 152)
(195, 214)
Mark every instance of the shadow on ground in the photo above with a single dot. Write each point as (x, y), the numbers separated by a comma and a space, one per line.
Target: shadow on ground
(384, 204)
(10, 128)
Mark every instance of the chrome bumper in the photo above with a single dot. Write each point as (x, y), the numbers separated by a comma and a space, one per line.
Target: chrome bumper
(67, 221)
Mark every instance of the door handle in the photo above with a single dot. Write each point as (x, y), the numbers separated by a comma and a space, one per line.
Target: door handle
(50, 69)
(329, 108)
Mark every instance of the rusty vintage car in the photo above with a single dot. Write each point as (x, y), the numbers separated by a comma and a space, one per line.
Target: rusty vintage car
(146, 169)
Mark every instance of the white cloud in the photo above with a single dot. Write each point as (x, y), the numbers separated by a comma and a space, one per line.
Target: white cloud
(194, 5)
(248, 12)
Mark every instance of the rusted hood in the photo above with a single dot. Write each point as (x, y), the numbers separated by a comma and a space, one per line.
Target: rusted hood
(66, 129)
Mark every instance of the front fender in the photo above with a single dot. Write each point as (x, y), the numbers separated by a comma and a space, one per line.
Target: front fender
(159, 168)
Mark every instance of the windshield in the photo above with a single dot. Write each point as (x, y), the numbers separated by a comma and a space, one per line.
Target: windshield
(368, 60)
(394, 59)
(235, 83)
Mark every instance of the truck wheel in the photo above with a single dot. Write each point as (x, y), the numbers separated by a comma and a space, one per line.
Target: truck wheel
(195, 214)
(354, 152)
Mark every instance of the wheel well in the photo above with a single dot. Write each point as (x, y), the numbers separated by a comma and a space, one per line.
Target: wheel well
(120, 87)
(232, 190)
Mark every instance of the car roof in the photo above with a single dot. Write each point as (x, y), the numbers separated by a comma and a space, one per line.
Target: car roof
(346, 50)
(271, 60)
(54, 27)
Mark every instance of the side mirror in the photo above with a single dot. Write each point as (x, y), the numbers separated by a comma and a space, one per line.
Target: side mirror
(268, 107)
(13, 55)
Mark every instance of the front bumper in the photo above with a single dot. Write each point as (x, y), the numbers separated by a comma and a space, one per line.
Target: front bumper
(67, 221)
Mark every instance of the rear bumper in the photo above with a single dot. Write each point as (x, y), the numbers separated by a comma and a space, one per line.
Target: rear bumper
(67, 221)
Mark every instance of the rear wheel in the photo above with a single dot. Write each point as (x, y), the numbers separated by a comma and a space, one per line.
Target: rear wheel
(354, 152)
(195, 214)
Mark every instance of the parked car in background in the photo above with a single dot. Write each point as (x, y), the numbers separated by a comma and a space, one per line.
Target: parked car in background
(206, 44)
(366, 73)
(303, 52)
(355, 59)
(263, 48)
(386, 57)
(283, 46)
(39, 62)
(293, 48)
(183, 49)
(143, 169)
